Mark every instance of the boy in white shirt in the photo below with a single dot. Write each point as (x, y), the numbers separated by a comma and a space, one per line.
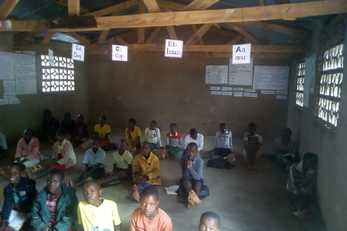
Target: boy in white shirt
(121, 167)
(194, 137)
(224, 142)
(63, 152)
(152, 136)
(252, 142)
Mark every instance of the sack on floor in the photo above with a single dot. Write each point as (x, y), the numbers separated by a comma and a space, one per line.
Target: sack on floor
(219, 163)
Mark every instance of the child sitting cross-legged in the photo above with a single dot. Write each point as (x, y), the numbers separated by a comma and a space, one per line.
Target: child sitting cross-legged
(97, 213)
(18, 199)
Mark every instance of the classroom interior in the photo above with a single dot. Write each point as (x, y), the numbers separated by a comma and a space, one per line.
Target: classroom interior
(293, 36)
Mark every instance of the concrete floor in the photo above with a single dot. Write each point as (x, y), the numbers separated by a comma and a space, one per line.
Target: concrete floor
(246, 201)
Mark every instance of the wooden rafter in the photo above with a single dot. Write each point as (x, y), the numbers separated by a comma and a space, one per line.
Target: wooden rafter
(80, 38)
(292, 32)
(103, 36)
(236, 39)
(247, 14)
(194, 5)
(7, 7)
(251, 38)
(290, 11)
(141, 31)
(47, 37)
(227, 48)
(153, 34)
(114, 9)
(198, 34)
(195, 29)
(73, 7)
(172, 32)
(64, 3)
(200, 4)
(170, 5)
(153, 6)
(120, 40)
(141, 35)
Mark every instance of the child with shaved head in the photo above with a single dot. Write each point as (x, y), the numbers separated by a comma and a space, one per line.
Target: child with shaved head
(149, 217)
(209, 221)
(97, 213)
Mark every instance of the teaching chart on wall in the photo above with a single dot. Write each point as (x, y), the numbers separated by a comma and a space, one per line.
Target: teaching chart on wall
(241, 74)
(216, 74)
(17, 77)
(247, 80)
(271, 78)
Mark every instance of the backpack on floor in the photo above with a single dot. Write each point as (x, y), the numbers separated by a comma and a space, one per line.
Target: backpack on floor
(219, 163)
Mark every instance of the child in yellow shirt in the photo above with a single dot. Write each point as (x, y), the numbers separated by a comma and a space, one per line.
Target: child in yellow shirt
(146, 171)
(97, 213)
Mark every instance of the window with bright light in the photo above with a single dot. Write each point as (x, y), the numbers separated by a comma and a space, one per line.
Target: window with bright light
(58, 74)
(330, 85)
(300, 79)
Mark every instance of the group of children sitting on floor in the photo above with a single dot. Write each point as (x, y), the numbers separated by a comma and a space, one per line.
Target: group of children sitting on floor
(133, 160)
(56, 207)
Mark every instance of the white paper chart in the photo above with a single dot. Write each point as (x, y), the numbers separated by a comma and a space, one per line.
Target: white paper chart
(6, 65)
(271, 77)
(216, 74)
(240, 74)
(18, 75)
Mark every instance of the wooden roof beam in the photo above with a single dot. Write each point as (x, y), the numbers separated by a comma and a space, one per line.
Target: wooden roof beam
(141, 35)
(7, 7)
(73, 7)
(290, 11)
(171, 32)
(103, 36)
(195, 29)
(83, 40)
(246, 14)
(153, 35)
(225, 48)
(120, 40)
(200, 4)
(235, 39)
(152, 6)
(170, 5)
(251, 38)
(47, 37)
(114, 9)
(198, 34)
(64, 3)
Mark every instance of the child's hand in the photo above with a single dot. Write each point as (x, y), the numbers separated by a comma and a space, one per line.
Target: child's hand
(189, 164)
(68, 181)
